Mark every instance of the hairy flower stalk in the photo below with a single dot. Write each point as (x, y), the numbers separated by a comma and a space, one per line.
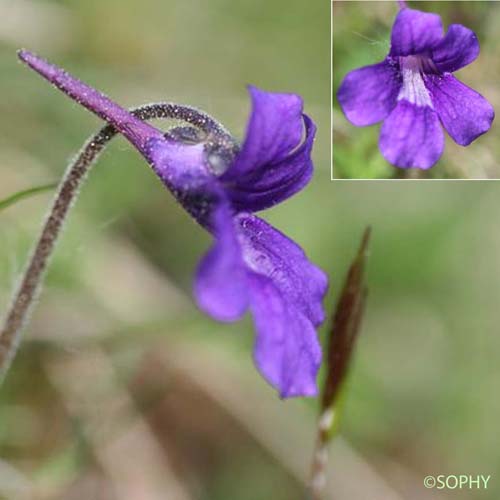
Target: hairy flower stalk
(251, 266)
(67, 193)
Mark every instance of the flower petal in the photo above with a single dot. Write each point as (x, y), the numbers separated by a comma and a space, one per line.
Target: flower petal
(272, 164)
(464, 113)
(414, 32)
(262, 189)
(221, 279)
(457, 49)
(179, 165)
(412, 136)
(274, 130)
(367, 95)
(270, 253)
(287, 351)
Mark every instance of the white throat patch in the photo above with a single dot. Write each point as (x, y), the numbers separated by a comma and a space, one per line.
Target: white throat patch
(413, 88)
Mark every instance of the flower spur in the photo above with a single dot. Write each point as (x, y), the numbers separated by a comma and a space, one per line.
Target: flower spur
(250, 265)
(413, 90)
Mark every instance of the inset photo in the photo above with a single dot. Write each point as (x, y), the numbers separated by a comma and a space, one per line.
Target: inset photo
(415, 89)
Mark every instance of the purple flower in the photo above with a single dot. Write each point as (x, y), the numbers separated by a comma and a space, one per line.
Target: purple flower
(251, 265)
(413, 90)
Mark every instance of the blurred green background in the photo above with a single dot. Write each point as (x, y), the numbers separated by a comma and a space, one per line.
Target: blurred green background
(361, 37)
(122, 389)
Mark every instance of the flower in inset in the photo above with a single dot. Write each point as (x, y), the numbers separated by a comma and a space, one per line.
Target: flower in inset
(251, 265)
(413, 90)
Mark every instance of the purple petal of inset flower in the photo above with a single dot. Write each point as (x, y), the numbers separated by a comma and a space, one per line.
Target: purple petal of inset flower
(263, 189)
(221, 286)
(287, 351)
(415, 32)
(274, 130)
(367, 95)
(464, 113)
(412, 136)
(457, 49)
(136, 131)
(268, 252)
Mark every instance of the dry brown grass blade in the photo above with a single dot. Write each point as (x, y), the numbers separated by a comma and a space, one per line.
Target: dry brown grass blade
(283, 428)
(123, 444)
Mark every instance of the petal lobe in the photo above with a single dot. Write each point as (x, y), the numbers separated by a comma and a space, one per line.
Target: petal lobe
(412, 136)
(367, 95)
(220, 284)
(464, 113)
(457, 49)
(414, 32)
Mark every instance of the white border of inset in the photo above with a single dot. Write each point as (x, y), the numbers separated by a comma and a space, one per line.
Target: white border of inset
(338, 179)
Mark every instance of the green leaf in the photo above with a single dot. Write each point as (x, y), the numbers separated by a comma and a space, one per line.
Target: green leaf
(21, 195)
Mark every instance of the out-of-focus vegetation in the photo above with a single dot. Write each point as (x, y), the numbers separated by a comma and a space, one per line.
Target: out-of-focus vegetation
(122, 389)
(361, 36)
